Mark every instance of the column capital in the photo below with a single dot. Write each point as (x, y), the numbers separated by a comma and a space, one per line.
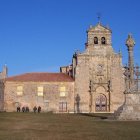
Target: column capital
(130, 43)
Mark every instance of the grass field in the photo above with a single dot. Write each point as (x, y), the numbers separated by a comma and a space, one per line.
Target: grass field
(46, 126)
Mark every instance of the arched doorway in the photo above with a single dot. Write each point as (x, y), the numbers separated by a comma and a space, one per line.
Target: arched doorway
(101, 103)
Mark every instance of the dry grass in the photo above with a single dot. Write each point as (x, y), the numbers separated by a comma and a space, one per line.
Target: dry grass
(45, 126)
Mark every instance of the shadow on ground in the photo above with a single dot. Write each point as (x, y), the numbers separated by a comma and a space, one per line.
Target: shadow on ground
(100, 116)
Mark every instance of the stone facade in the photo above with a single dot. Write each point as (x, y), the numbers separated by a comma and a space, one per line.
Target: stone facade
(99, 77)
(97, 86)
(1, 95)
(50, 101)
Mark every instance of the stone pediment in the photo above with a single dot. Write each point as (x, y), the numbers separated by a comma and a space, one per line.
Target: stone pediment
(99, 27)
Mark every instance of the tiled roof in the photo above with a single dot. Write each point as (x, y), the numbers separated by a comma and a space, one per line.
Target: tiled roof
(41, 77)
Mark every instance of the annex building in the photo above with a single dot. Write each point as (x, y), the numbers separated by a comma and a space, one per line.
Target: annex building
(94, 82)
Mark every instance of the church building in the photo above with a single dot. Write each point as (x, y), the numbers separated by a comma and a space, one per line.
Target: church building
(93, 83)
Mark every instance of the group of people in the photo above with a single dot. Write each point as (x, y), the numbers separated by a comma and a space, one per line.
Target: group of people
(26, 109)
(35, 109)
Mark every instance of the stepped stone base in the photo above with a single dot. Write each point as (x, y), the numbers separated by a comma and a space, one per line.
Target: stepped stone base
(130, 110)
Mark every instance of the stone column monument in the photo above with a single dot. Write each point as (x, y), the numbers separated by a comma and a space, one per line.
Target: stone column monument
(130, 110)
(130, 45)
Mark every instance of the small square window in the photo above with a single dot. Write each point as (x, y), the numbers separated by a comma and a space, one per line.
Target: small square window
(40, 91)
(40, 94)
(19, 90)
(62, 91)
(62, 94)
(63, 88)
(19, 93)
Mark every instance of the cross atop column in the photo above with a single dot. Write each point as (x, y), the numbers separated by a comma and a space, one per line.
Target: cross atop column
(130, 43)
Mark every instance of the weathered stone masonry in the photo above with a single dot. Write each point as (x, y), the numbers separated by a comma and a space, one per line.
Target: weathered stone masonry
(94, 82)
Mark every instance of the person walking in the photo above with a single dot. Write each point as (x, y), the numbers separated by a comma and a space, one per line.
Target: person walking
(35, 109)
(23, 109)
(39, 109)
(18, 109)
(27, 109)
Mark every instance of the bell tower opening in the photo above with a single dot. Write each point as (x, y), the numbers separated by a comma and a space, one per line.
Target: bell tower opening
(99, 39)
(95, 40)
(103, 41)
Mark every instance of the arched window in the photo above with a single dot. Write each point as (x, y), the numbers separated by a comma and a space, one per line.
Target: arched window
(95, 40)
(103, 40)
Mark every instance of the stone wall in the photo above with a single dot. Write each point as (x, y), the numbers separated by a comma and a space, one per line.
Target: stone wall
(87, 70)
(82, 83)
(48, 102)
(1, 95)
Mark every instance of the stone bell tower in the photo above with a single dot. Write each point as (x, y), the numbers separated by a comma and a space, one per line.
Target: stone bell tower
(99, 40)
(98, 73)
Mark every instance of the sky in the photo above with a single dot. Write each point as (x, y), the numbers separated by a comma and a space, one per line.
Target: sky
(42, 35)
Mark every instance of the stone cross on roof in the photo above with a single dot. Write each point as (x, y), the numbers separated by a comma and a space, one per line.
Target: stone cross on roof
(99, 17)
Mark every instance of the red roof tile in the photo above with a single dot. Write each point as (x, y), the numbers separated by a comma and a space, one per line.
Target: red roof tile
(41, 77)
